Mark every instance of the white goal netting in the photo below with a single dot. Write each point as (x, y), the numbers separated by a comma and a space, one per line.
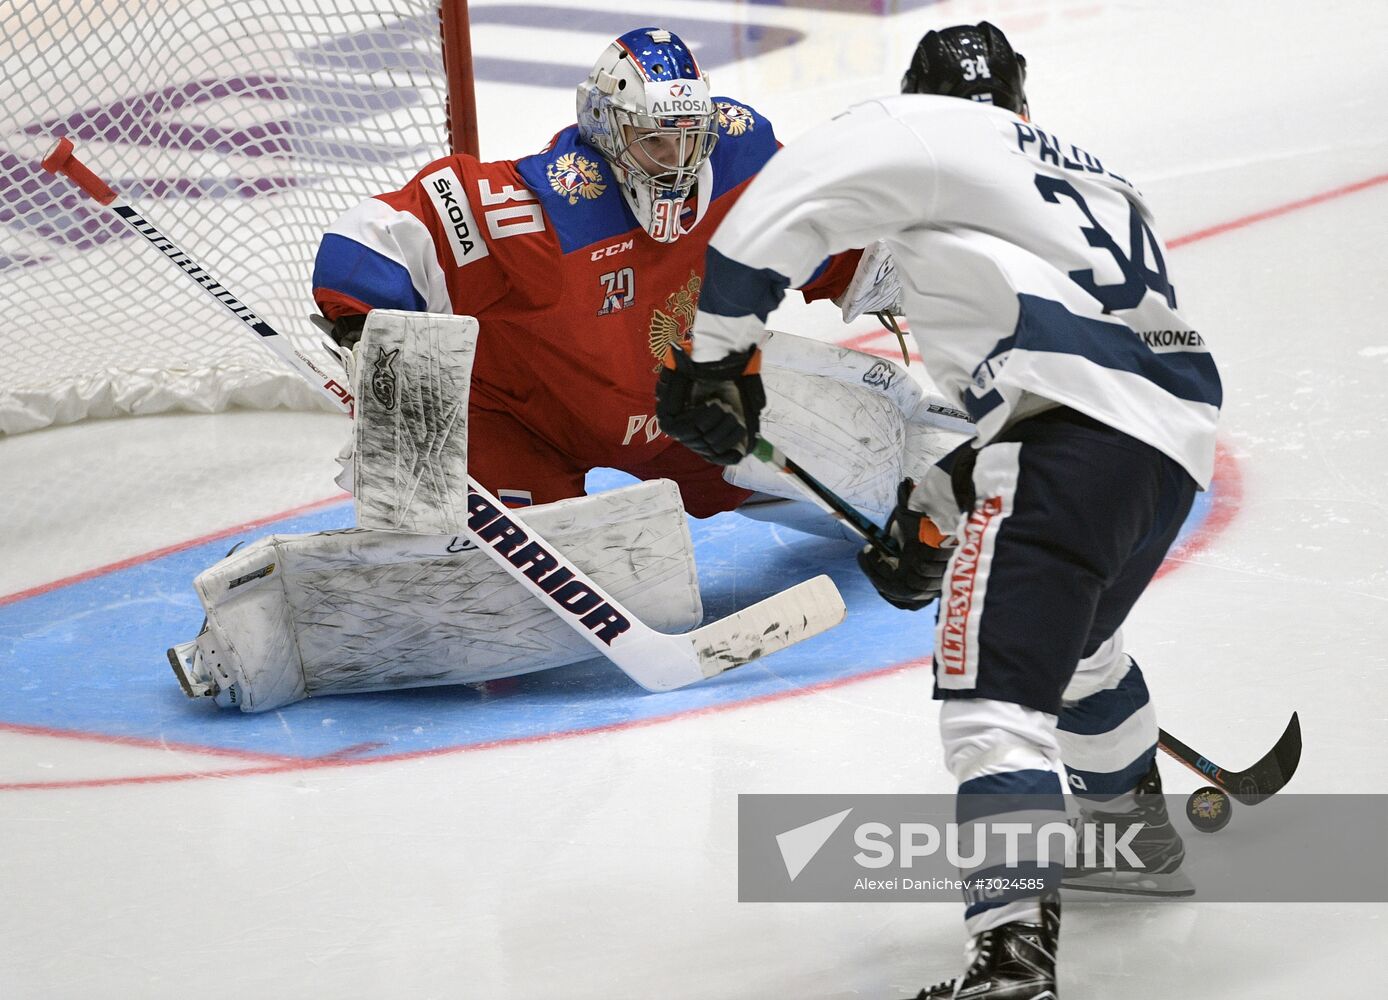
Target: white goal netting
(241, 129)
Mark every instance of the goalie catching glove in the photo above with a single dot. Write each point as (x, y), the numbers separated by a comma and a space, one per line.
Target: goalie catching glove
(713, 408)
(914, 577)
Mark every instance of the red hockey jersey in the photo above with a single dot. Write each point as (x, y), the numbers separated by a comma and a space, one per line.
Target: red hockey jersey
(576, 304)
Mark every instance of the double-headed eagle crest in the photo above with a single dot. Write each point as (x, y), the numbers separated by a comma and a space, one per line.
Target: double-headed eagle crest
(575, 176)
(672, 323)
(734, 119)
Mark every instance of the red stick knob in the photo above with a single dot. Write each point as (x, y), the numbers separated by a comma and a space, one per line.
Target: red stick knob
(61, 161)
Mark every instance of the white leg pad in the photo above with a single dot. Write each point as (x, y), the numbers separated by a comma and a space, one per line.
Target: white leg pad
(848, 438)
(293, 616)
(790, 352)
(857, 423)
(411, 375)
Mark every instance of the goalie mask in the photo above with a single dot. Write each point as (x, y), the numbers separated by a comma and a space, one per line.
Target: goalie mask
(972, 61)
(646, 108)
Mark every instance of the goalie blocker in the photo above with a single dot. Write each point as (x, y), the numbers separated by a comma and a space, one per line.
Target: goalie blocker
(411, 374)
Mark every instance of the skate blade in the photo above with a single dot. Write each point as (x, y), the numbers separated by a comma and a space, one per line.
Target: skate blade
(1172, 885)
(181, 658)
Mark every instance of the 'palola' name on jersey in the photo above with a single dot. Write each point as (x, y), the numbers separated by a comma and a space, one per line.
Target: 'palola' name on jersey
(539, 564)
(1049, 149)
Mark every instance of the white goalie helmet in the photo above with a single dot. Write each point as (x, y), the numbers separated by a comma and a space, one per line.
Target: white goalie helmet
(646, 107)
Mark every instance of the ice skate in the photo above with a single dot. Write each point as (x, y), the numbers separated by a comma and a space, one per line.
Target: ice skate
(192, 669)
(1015, 961)
(188, 667)
(1157, 846)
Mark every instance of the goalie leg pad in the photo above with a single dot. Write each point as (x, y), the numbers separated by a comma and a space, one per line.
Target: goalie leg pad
(857, 423)
(411, 376)
(850, 439)
(291, 617)
(789, 352)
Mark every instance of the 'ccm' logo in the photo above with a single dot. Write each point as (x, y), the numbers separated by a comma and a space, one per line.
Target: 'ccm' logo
(613, 250)
(542, 566)
(445, 191)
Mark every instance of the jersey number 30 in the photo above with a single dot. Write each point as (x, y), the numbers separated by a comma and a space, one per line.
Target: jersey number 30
(1138, 278)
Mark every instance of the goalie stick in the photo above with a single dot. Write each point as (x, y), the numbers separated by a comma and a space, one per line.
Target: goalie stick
(1249, 786)
(655, 660)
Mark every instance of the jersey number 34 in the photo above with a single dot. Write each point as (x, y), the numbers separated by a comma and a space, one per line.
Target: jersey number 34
(1138, 278)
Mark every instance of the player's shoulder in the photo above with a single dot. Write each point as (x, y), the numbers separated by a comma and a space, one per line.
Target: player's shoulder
(457, 183)
(935, 114)
(746, 141)
(957, 136)
(461, 175)
(742, 125)
(464, 210)
(576, 187)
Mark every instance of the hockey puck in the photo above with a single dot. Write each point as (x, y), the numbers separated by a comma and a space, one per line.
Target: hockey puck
(1209, 809)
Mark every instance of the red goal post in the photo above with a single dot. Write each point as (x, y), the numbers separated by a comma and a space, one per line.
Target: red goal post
(248, 125)
(456, 36)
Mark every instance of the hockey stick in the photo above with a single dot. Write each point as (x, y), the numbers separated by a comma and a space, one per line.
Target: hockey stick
(1254, 784)
(824, 498)
(655, 660)
(1250, 786)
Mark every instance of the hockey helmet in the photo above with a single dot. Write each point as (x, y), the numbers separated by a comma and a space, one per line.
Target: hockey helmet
(973, 61)
(646, 108)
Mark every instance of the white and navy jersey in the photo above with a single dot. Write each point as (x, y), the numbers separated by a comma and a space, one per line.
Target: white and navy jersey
(1028, 265)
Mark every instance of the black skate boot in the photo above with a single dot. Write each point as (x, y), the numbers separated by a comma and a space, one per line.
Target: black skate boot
(1015, 961)
(1156, 845)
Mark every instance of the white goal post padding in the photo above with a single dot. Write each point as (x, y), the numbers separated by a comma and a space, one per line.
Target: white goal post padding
(243, 127)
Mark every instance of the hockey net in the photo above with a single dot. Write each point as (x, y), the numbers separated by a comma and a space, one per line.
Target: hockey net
(241, 128)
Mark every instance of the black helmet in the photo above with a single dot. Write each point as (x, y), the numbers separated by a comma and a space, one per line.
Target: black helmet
(973, 61)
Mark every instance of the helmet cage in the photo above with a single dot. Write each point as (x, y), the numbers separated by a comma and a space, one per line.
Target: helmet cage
(663, 153)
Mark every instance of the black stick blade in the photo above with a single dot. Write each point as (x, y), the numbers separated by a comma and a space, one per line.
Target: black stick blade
(1256, 783)
(1274, 770)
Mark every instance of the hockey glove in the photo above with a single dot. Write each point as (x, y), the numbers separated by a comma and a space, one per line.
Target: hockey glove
(914, 578)
(346, 330)
(713, 408)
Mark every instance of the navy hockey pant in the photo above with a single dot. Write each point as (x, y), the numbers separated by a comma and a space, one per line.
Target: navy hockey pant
(1068, 521)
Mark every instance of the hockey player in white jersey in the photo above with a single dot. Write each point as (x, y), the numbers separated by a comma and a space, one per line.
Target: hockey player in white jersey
(1039, 298)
